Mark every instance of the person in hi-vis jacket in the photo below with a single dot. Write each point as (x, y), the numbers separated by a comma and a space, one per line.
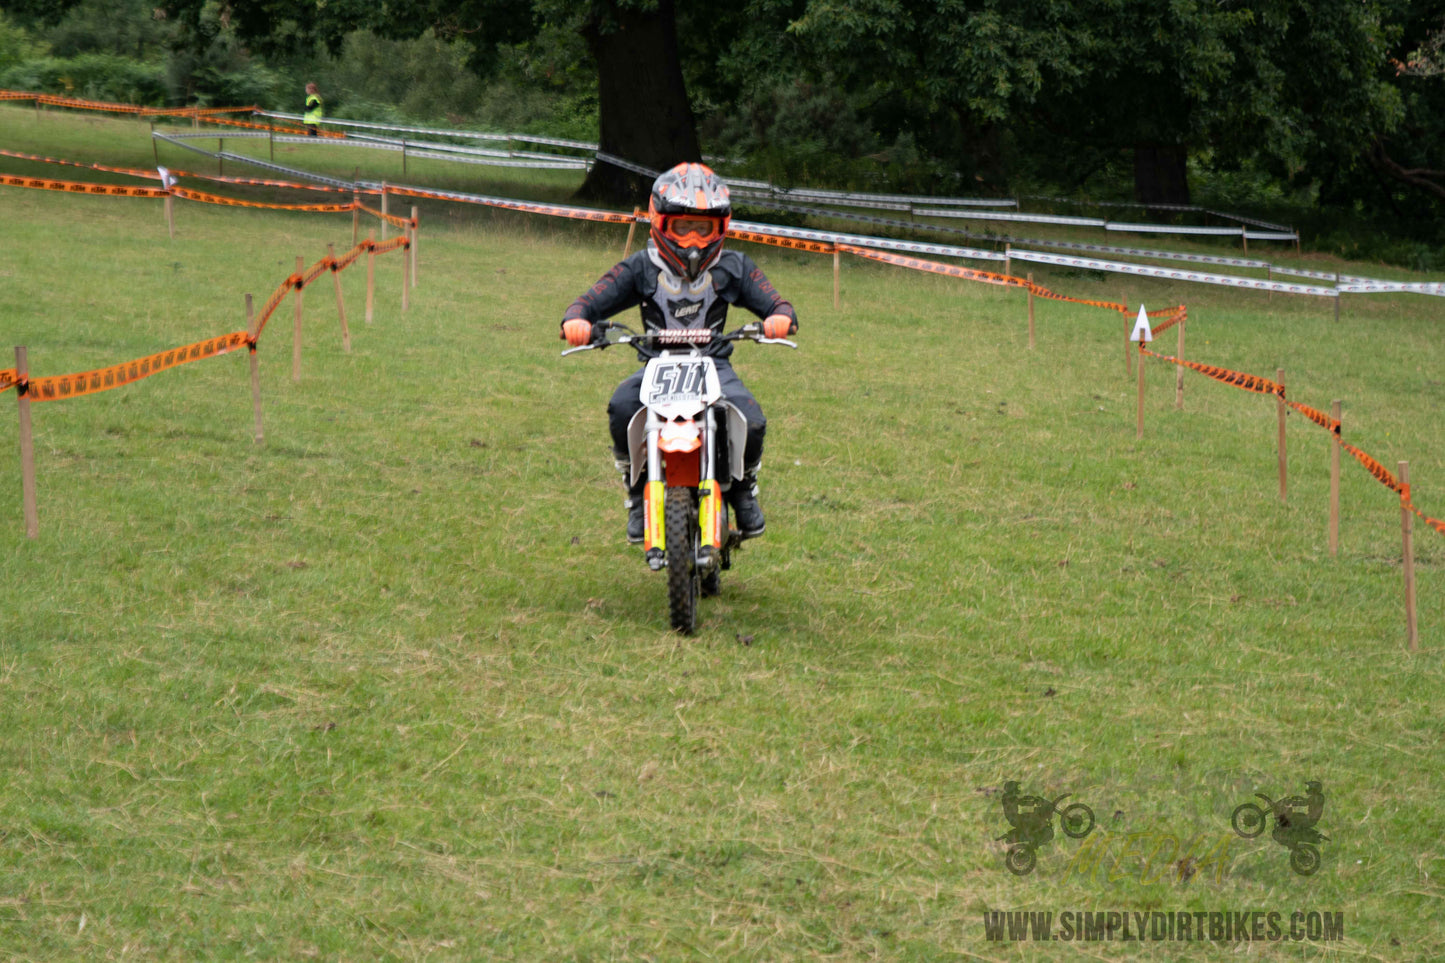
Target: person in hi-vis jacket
(315, 110)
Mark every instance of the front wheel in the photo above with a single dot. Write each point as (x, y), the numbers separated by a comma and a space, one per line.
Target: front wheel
(1248, 820)
(683, 539)
(1077, 821)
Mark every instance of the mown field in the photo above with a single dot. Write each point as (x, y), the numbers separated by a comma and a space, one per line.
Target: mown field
(391, 685)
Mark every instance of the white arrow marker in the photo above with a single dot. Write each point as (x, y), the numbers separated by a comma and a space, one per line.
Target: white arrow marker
(1141, 328)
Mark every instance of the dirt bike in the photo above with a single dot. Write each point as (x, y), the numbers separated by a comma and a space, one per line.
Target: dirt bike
(1037, 828)
(1248, 820)
(674, 438)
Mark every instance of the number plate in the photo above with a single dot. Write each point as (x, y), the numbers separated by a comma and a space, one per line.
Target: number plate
(671, 381)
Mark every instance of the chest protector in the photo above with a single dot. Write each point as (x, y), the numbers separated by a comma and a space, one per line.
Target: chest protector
(683, 304)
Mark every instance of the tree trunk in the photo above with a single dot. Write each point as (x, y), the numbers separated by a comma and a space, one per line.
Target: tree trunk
(642, 106)
(1160, 175)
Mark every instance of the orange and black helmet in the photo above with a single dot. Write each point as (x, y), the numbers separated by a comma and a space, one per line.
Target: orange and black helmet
(689, 209)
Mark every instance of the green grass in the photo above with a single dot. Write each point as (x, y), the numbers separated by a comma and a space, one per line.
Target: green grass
(391, 685)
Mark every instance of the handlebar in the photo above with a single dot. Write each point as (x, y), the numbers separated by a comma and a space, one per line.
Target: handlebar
(678, 337)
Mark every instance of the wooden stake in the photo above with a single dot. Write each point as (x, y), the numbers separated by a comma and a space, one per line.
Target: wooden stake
(370, 272)
(340, 304)
(271, 142)
(220, 161)
(1244, 238)
(406, 276)
(355, 217)
(155, 149)
(415, 223)
(296, 329)
(255, 371)
(1128, 345)
(384, 210)
(1140, 417)
(1412, 630)
(837, 277)
(1335, 484)
(1179, 371)
(27, 449)
(1008, 259)
(403, 155)
(631, 230)
(1031, 310)
(1337, 297)
(171, 215)
(1283, 408)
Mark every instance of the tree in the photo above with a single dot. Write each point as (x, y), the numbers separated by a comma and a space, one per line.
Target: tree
(643, 112)
(644, 115)
(1077, 84)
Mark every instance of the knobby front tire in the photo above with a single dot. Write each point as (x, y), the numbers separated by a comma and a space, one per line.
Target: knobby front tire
(683, 540)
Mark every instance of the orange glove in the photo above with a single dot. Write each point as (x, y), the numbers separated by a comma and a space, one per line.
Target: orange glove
(777, 326)
(577, 332)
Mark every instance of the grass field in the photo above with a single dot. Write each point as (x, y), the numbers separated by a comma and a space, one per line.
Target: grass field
(391, 685)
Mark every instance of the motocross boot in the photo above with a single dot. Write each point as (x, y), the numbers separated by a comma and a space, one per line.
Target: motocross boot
(743, 500)
(636, 521)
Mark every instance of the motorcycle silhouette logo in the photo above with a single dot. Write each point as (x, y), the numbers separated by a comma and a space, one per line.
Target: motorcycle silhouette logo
(1032, 819)
(1294, 825)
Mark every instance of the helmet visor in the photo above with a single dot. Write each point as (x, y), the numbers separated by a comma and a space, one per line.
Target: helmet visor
(694, 230)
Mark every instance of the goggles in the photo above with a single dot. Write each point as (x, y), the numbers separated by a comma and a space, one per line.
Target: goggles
(693, 230)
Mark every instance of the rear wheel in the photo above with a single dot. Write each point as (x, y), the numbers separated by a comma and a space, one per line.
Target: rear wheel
(683, 539)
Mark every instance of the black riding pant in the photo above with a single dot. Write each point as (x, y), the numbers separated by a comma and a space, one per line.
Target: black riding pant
(627, 401)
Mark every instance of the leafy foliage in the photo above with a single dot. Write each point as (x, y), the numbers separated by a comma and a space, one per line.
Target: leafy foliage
(95, 76)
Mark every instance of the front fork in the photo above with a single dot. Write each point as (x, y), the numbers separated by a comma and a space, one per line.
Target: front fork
(654, 540)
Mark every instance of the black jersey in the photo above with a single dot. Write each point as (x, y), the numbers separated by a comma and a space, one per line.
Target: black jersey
(668, 302)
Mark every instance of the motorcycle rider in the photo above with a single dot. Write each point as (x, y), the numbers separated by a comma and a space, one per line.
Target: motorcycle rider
(1033, 828)
(1293, 825)
(684, 279)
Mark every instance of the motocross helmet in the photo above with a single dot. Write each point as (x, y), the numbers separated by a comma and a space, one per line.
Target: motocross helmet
(689, 209)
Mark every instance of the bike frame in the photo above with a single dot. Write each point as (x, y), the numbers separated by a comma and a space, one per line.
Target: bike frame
(681, 447)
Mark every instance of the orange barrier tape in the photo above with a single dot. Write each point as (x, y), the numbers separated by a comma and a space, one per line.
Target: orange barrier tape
(78, 187)
(918, 264)
(103, 379)
(609, 217)
(383, 246)
(1315, 415)
(293, 131)
(315, 271)
(349, 258)
(9, 378)
(392, 219)
(797, 244)
(263, 182)
(1384, 476)
(57, 100)
(274, 302)
(295, 281)
(1264, 386)
(205, 198)
(1239, 379)
(1043, 292)
(1177, 316)
(153, 174)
